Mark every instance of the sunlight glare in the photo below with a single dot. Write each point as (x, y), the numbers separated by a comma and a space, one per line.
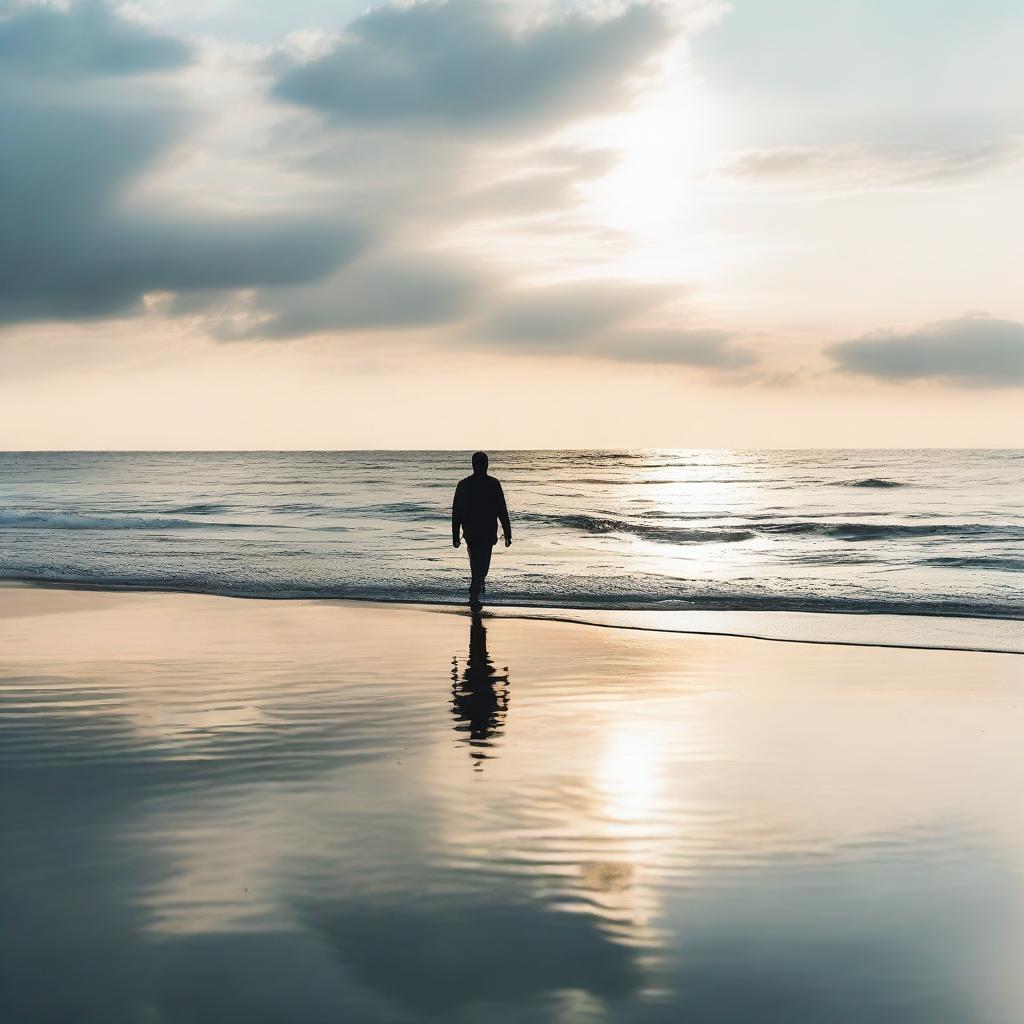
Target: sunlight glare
(664, 144)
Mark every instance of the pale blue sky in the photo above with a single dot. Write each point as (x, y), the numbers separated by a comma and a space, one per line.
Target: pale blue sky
(871, 70)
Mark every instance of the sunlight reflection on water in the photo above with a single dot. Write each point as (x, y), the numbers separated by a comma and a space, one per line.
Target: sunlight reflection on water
(238, 811)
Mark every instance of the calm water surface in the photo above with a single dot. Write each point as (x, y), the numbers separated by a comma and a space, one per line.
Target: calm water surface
(235, 811)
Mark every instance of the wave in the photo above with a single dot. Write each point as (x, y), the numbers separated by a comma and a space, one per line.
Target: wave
(598, 525)
(76, 521)
(704, 599)
(201, 509)
(744, 528)
(848, 531)
(871, 481)
(412, 510)
(977, 562)
(893, 531)
(408, 510)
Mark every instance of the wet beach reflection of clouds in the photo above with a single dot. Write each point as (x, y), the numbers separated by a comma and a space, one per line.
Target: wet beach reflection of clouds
(237, 811)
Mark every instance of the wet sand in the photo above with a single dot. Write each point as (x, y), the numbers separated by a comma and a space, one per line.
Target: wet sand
(222, 810)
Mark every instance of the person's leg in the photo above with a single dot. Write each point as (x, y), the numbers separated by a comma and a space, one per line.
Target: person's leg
(474, 568)
(485, 562)
(479, 563)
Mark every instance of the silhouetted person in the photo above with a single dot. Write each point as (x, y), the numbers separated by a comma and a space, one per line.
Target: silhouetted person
(479, 704)
(478, 507)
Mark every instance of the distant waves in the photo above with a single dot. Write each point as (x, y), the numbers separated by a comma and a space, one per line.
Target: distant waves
(926, 532)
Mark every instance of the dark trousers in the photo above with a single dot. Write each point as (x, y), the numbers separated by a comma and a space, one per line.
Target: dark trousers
(479, 562)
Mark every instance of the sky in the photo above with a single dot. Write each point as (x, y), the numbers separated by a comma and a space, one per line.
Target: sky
(542, 224)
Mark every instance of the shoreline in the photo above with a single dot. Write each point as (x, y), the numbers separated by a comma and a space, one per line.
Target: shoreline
(985, 635)
(780, 606)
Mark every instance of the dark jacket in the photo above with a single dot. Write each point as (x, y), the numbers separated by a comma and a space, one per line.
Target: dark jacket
(478, 506)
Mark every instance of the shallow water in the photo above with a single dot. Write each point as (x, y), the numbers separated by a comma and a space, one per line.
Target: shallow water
(221, 811)
(883, 531)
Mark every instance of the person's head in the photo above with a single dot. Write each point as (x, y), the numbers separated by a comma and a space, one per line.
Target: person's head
(480, 462)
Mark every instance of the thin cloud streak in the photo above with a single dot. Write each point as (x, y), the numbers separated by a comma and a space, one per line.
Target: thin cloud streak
(850, 167)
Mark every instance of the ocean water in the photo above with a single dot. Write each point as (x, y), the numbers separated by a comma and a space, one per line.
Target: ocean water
(254, 812)
(938, 532)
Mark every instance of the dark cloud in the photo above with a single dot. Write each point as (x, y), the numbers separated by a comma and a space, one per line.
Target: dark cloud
(84, 39)
(466, 66)
(80, 238)
(973, 351)
(71, 248)
(378, 293)
(72, 244)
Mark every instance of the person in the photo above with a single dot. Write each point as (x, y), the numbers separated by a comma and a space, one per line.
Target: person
(478, 506)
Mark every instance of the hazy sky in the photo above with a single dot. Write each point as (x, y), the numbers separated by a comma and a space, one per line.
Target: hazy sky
(249, 224)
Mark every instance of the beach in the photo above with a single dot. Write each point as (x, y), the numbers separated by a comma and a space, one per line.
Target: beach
(511, 512)
(220, 809)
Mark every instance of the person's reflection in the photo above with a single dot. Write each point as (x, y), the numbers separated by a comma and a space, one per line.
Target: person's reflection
(479, 696)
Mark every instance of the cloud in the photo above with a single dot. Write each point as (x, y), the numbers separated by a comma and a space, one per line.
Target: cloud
(82, 40)
(593, 318)
(391, 292)
(547, 182)
(71, 248)
(565, 315)
(973, 351)
(853, 167)
(441, 968)
(467, 66)
(381, 292)
(711, 348)
(76, 242)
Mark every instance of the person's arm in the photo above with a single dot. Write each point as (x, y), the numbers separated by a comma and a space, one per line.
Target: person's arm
(506, 525)
(457, 516)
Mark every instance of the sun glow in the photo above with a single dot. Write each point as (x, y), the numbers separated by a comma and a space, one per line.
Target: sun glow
(666, 145)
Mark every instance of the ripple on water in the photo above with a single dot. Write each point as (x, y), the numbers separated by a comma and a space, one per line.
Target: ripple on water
(424, 815)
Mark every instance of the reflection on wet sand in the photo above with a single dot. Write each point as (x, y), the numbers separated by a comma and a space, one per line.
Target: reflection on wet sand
(480, 696)
(223, 812)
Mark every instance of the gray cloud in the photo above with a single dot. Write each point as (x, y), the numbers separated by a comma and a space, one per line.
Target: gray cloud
(973, 351)
(84, 39)
(593, 318)
(70, 248)
(465, 66)
(560, 317)
(860, 167)
(402, 292)
(72, 244)
(79, 240)
(710, 348)
(377, 293)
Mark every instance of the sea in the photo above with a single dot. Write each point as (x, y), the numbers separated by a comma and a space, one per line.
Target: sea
(922, 532)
